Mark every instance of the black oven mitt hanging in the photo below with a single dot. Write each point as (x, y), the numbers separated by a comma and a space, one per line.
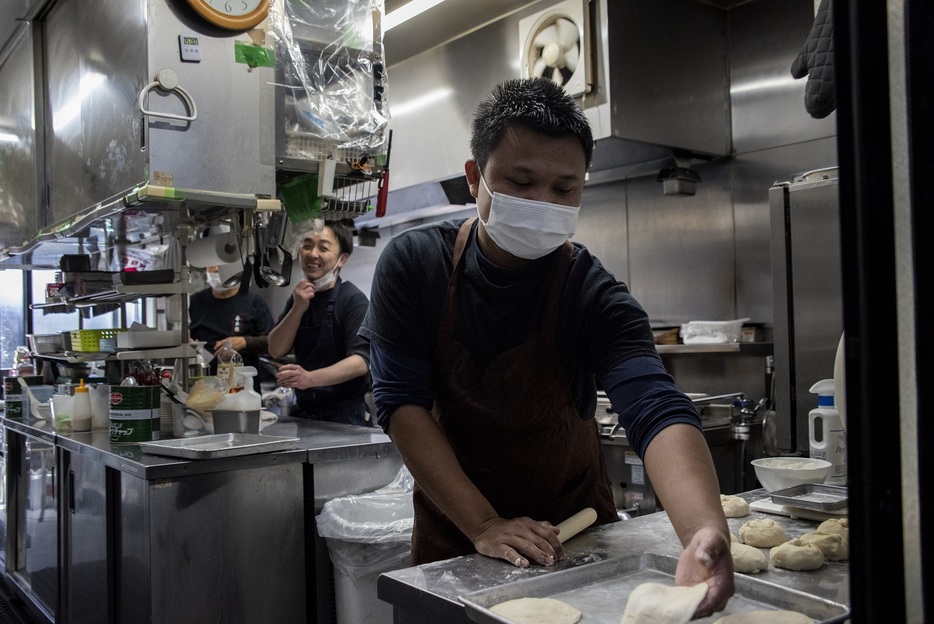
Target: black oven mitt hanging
(815, 60)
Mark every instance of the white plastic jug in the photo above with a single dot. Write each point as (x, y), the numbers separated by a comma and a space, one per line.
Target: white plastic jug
(238, 412)
(827, 438)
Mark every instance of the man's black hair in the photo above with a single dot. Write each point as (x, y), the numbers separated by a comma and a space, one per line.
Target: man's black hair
(537, 103)
(343, 231)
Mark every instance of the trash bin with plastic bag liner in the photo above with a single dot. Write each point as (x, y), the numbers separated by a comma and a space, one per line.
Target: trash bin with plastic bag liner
(367, 534)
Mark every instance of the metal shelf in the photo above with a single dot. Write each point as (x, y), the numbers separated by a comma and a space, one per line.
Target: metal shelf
(181, 351)
(131, 292)
(80, 357)
(745, 348)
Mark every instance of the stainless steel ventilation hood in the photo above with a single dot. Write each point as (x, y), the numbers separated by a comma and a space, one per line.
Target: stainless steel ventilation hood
(659, 92)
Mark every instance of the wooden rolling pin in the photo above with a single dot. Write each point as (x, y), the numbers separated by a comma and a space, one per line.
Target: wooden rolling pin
(576, 523)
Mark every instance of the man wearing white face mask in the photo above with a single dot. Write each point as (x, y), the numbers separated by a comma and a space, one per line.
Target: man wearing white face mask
(320, 324)
(222, 313)
(487, 337)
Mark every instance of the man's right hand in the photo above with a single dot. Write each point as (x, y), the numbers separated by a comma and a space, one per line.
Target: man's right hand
(519, 540)
(302, 295)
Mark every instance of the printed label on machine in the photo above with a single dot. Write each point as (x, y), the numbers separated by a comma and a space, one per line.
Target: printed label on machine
(632, 458)
(638, 475)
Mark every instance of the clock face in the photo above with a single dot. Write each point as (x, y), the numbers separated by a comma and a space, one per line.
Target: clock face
(232, 14)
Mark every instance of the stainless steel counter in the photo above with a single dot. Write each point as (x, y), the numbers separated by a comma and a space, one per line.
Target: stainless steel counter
(320, 442)
(160, 513)
(429, 593)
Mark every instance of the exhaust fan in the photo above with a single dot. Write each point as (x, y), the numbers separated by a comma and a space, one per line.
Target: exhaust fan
(555, 44)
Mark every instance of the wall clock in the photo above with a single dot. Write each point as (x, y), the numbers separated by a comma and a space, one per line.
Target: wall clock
(232, 14)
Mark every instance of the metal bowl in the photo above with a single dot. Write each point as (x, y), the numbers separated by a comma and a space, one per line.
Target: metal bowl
(778, 473)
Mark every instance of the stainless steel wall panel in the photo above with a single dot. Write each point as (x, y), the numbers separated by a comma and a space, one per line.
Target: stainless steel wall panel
(18, 181)
(681, 249)
(95, 59)
(667, 72)
(603, 227)
(767, 103)
(433, 98)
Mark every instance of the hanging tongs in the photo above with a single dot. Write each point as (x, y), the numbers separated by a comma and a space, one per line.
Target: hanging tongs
(247, 274)
(274, 234)
(261, 258)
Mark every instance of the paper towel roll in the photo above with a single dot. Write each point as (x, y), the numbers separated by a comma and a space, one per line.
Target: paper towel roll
(226, 271)
(213, 251)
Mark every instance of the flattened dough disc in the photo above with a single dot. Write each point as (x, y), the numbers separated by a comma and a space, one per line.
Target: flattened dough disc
(765, 617)
(537, 611)
(663, 604)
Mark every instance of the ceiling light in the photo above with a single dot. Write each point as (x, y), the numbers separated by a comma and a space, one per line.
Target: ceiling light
(407, 12)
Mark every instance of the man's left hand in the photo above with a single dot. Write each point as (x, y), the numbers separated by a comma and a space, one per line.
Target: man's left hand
(707, 559)
(294, 376)
(237, 342)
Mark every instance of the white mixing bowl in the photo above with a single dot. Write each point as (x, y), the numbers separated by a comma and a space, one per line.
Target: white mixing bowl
(778, 473)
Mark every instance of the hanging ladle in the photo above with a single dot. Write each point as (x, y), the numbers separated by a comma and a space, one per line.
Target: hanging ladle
(281, 277)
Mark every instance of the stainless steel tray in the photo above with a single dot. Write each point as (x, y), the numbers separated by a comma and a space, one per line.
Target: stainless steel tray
(812, 496)
(219, 445)
(600, 591)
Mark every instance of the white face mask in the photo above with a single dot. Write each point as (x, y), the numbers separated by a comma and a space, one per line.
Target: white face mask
(214, 281)
(527, 228)
(326, 280)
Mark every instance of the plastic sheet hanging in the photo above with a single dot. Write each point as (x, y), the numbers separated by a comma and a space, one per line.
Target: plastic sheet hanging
(331, 79)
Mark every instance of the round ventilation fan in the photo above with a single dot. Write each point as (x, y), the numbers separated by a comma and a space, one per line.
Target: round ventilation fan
(553, 49)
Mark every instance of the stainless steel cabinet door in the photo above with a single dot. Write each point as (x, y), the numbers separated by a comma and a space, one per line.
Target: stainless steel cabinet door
(84, 540)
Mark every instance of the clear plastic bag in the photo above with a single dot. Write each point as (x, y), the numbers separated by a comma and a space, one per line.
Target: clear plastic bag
(332, 78)
(371, 532)
(206, 393)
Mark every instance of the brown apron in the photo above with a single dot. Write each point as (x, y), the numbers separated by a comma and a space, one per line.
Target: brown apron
(514, 429)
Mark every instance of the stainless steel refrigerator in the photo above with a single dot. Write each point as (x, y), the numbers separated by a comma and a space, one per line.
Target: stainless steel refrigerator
(808, 298)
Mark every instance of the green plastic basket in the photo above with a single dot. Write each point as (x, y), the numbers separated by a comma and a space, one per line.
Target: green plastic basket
(89, 340)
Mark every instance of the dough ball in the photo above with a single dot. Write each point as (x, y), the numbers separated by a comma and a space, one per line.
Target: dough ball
(836, 526)
(797, 555)
(765, 617)
(834, 547)
(733, 537)
(654, 603)
(537, 611)
(734, 506)
(763, 533)
(747, 559)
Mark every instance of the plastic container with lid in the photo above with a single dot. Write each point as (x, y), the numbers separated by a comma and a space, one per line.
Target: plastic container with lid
(81, 409)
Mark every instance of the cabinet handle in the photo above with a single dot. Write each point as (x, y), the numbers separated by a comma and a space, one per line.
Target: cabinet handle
(71, 491)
